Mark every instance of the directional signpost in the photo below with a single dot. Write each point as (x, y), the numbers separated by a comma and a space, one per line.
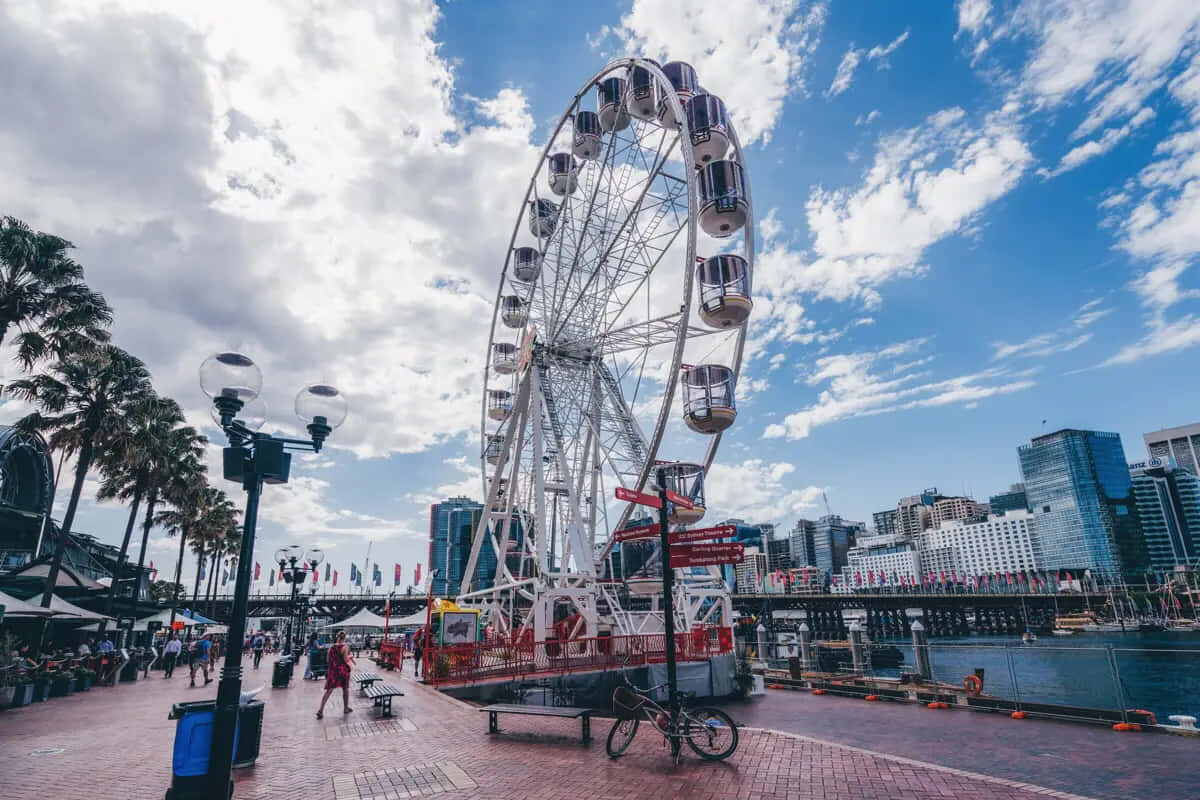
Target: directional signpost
(687, 555)
(707, 554)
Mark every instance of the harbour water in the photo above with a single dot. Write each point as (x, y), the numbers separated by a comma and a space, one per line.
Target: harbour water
(1158, 672)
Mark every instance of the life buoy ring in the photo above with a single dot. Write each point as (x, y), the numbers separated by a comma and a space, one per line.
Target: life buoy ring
(973, 685)
(1150, 714)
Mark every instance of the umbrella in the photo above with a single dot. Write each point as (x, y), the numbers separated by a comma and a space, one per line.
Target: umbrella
(71, 610)
(20, 609)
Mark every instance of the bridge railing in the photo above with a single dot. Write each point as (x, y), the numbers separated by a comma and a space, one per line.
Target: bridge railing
(516, 660)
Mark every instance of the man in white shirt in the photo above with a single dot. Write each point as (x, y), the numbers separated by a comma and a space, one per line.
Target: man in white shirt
(170, 654)
(84, 649)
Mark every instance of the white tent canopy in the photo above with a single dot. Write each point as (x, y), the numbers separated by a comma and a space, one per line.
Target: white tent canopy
(70, 609)
(19, 608)
(416, 618)
(364, 618)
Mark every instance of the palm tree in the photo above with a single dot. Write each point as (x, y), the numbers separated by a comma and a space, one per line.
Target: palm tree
(84, 400)
(42, 295)
(191, 509)
(128, 464)
(174, 465)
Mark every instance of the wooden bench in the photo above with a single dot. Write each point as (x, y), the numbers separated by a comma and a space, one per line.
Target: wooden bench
(382, 694)
(562, 712)
(364, 679)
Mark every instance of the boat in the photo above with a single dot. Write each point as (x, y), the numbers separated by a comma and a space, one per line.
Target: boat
(1063, 632)
(1028, 637)
(1104, 627)
(1073, 623)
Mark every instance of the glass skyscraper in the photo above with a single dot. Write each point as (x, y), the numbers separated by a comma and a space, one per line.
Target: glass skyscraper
(1078, 487)
(832, 539)
(452, 525)
(1168, 504)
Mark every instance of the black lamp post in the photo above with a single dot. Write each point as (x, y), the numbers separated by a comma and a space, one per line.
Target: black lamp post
(232, 380)
(295, 566)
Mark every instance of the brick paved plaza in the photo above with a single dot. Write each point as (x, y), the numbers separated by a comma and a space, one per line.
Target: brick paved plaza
(116, 743)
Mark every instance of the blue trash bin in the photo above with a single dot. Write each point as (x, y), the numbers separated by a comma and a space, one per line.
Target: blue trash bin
(193, 748)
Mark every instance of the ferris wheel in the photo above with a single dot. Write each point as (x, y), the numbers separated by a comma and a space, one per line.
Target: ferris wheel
(628, 274)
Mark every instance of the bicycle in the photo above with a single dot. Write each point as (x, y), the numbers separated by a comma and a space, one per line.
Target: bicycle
(708, 731)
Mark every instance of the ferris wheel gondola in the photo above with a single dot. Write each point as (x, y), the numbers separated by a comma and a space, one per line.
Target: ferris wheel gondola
(603, 299)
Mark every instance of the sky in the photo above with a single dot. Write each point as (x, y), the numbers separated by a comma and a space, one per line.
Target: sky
(977, 221)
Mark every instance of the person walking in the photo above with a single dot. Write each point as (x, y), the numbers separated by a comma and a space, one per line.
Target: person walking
(338, 674)
(258, 644)
(171, 654)
(418, 643)
(200, 658)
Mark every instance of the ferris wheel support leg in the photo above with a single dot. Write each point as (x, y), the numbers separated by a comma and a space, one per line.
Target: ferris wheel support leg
(539, 475)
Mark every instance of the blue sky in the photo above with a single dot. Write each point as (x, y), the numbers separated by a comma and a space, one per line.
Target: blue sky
(972, 217)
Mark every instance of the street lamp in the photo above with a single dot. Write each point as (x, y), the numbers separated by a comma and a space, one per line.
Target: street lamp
(294, 566)
(234, 382)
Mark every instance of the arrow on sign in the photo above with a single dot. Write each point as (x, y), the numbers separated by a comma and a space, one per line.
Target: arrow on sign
(641, 498)
(679, 499)
(700, 534)
(641, 532)
(704, 555)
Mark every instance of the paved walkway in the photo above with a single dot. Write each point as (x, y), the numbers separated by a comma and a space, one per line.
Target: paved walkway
(116, 743)
(1073, 757)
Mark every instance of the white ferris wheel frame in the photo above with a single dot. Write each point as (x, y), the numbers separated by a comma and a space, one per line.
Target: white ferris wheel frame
(543, 587)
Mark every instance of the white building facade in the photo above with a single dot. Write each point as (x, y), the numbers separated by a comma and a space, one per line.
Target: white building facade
(1001, 544)
(881, 561)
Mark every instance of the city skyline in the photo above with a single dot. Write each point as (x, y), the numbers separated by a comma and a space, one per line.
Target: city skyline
(958, 237)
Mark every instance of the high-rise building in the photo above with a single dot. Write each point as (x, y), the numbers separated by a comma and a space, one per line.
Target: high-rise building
(1168, 504)
(885, 522)
(1012, 500)
(779, 553)
(750, 571)
(999, 544)
(832, 538)
(802, 545)
(881, 561)
(1078, 487)
(451, 530)
(1181, 444)
(963, 509)
(915, 514)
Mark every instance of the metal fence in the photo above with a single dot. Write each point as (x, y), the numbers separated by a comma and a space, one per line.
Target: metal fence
(1104, 682)
(524, 658)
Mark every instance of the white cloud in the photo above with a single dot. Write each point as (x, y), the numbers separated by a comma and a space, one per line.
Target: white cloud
(881, 52)
(1063, 340)
(1161, 337)
(926, 183)
(257, 177)
(855, 385)
(756, 490)
(750, 52)
(973, 15)
(868, 118)
(1096, 147)
(845, 71)
(854, 56)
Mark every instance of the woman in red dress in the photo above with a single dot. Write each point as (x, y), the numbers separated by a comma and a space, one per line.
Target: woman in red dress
(338, 675)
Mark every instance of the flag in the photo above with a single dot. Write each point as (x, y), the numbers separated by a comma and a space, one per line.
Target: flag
(202, 572)
(316, 574)
(396, 576)
(857, 578)
(328, 567)
(871, 577)
(417, 576)
(272, 581)
(1008, 578)
(335, 577)
(378, 576)
(257, 570)
(358, 577)
(353, 572)
(224, 577)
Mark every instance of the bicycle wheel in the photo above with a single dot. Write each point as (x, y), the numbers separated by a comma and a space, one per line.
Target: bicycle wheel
(710, 732)
(620, 737)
